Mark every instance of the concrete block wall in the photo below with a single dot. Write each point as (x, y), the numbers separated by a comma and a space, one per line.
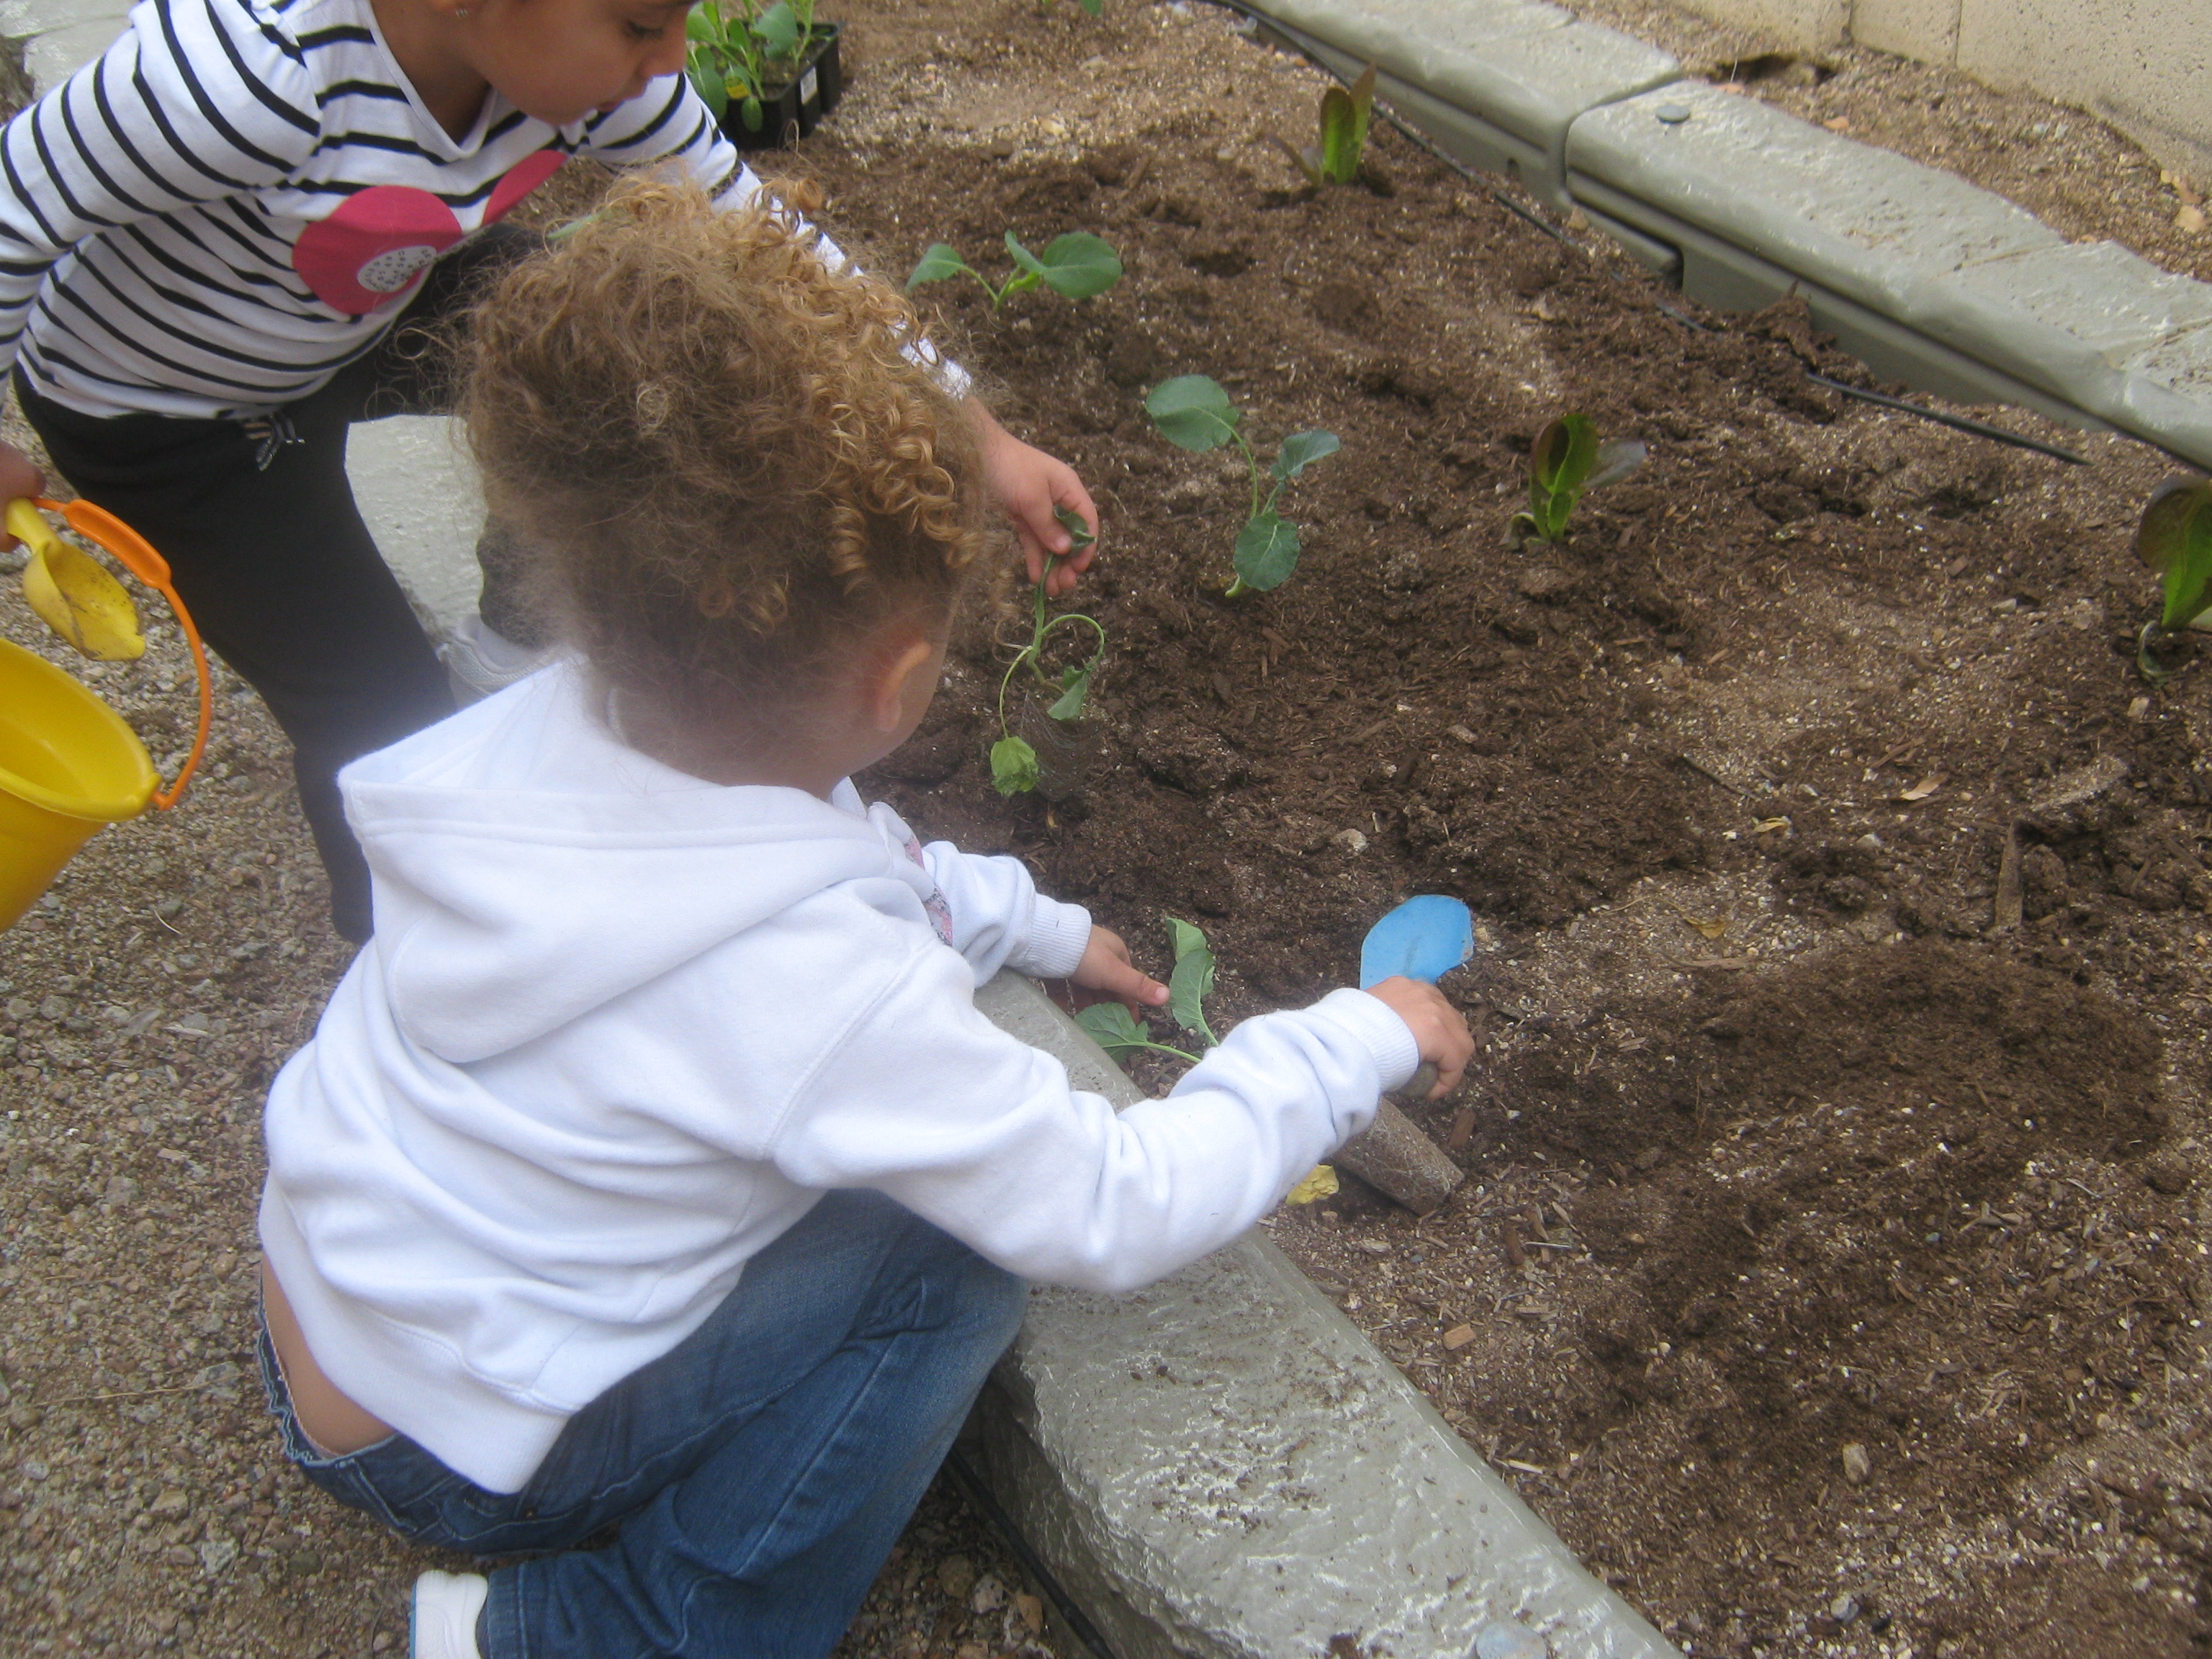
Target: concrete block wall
(2141, 65)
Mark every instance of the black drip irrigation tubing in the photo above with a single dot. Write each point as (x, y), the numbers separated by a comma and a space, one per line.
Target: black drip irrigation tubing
(1960, 423)
(972, 1487)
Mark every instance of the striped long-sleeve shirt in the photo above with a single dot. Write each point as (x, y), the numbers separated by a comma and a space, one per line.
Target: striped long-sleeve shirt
(238, 195)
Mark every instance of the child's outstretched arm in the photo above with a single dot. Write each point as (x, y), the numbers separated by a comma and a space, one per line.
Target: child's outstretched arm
(923, 1099)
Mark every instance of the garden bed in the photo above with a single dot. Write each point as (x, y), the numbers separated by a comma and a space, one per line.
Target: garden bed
(1821, 1158)
(1817, 1156)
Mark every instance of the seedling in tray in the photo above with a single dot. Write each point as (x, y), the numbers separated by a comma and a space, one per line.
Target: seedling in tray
(1074, 267)
(1193, 413)
(733, 42)
(1568, 461)
(2175, 539)
(1336, 160)
(1013, 761)
(1114, 1029)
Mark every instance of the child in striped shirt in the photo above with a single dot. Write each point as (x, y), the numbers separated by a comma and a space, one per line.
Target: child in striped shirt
(229, 237)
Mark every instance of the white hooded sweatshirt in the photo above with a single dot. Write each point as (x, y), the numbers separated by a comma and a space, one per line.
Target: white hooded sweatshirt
(619, 1028)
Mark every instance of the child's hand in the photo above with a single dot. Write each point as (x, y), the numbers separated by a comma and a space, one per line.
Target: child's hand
(1439, 1030)
(1030, 484)
(1106, 968)
(18, 476)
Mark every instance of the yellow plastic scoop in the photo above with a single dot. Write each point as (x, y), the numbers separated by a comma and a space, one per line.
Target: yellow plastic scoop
(88, 607)
(72, 593)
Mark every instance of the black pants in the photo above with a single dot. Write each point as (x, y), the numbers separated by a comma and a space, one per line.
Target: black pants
(274, 561)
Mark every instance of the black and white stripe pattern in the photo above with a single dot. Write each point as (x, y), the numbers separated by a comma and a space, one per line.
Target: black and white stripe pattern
(153, 207)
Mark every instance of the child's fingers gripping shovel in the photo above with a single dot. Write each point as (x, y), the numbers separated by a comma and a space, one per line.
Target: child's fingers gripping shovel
(1423, 939)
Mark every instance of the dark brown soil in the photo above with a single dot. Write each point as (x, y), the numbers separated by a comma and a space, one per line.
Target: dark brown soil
(1819, 1157)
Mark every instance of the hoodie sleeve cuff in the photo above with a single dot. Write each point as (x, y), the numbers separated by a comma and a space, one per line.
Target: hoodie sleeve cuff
(1388, 1038)
(1059, 935)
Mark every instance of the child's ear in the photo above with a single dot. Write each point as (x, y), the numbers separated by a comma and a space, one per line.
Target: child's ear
(891, 689)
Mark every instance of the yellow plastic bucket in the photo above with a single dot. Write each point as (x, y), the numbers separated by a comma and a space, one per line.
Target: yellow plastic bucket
(67, 762)
(68, 765)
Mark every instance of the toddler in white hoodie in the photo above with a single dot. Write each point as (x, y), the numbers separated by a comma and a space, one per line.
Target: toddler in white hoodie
(651, 1169)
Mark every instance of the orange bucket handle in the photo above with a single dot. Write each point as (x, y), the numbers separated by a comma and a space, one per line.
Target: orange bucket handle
(136, 554)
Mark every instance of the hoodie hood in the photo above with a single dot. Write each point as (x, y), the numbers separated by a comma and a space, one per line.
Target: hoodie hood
(529, 866)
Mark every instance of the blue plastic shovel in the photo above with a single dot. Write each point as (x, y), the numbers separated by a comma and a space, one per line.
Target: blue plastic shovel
(1423, 939)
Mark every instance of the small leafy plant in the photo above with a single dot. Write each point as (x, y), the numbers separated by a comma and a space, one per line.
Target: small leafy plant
(1193, 413)
(1567, 462)
(1074, 267)
(1013, 761)
(2175, 539)
(1336, 160)
(733, 44)
(1114, 1029)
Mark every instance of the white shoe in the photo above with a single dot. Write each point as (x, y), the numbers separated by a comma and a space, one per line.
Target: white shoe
(480, 662)
(442, 1620)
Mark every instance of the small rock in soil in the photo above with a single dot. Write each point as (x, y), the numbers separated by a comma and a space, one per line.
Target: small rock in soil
(1857, 1467)
(956, 1577)
(1546, 583)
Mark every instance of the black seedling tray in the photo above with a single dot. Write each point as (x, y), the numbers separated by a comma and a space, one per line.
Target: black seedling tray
(791, 114)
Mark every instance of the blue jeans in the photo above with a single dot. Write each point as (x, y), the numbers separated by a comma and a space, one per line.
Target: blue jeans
(757, 1475)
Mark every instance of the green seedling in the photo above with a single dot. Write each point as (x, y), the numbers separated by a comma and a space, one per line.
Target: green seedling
(1336, 160)
(1567, 462)
(2175, 539)
(1013, 761)
(1074, 267)
(733, 44)
(1093, 6)
(1114, 1029)
(1193, 413)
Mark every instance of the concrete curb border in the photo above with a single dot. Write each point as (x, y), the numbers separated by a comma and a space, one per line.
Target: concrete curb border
(1222, 1467)
(1927, 279)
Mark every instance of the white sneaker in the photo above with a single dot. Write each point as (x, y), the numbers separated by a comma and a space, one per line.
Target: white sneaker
(480, 662)
(442, 1620)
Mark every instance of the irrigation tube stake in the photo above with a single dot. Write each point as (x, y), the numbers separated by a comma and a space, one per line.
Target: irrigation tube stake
(1979, 428)
(977, 1493)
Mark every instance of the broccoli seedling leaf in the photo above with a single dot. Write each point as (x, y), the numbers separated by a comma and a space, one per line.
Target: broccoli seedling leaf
(712, 92)
(1078, 265)
(1013, 766)
(1193, 413)
(1344, 128)
(1192, 982)
(1079, 533)
(1027, 262)
(750, 113)
(2175, 539)
(1183, 938)
(1301, 450)
(777, 29)
(1093, 6)
(1266, 552)
(1114, 1029)
(1075, 679)
(1566, 462)
(938, 261)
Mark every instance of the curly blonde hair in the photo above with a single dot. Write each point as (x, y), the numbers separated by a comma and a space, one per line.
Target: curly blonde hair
(723, 459)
